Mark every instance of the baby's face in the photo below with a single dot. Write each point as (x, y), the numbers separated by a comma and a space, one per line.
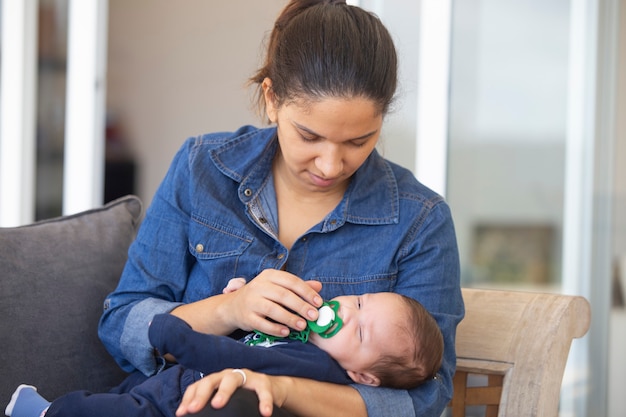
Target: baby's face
(371, 326)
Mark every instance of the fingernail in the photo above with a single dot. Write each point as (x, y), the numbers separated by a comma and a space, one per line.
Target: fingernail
(318, 300)
(312, 314)
(301, 324)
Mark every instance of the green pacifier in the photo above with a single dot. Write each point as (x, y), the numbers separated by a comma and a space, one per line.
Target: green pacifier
(327, 325)
(328, 322)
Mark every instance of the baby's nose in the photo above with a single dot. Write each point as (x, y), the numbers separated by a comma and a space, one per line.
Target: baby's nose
(345, 312)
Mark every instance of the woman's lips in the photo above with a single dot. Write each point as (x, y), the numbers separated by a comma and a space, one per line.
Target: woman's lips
(322, 182)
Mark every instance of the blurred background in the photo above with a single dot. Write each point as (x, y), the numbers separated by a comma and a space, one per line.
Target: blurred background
(509, 108)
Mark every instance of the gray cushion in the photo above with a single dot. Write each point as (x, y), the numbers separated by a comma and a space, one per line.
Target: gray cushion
(54, 276)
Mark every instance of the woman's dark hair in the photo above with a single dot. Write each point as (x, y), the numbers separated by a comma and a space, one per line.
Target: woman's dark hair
(325, 48)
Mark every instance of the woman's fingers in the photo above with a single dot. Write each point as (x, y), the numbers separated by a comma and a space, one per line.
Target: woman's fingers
(216, 388)
(276, 301)
(196, 397)
(316, 286)
(219, 387)
(230, 380)
(266, 400)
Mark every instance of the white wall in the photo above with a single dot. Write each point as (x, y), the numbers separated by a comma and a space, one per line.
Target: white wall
(180, 70)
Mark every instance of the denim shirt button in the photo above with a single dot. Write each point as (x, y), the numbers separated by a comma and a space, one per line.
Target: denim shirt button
(199, 248)
(247, 192)
(280, 256)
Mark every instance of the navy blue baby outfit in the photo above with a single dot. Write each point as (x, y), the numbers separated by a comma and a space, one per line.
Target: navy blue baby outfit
(197, 354)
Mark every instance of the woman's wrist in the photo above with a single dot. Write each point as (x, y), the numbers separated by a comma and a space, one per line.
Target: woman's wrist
(306, 397)
(206, 316)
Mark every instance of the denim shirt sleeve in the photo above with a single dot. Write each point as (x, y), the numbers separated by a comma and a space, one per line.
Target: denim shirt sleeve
(383, 402)
(147, 286)
(433, 257)
(134, 341)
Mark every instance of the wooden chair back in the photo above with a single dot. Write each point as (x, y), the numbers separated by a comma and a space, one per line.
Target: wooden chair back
(519, 342)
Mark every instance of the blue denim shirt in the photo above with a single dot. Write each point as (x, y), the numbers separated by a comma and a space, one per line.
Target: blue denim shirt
(214, 218)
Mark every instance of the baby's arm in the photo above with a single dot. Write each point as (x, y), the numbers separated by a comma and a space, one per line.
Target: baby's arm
(234, 284)
(211, 353)
(206, 353)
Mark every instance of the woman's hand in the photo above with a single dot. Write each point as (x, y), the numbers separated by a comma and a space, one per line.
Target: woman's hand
(221, 386)
(299, 396)
(273, 302)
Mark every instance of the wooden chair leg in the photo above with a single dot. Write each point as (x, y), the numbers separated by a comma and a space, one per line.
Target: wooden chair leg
(493, 380)
(460, 388)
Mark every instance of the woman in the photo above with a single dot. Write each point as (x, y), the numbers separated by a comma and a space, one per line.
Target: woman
(304, 211)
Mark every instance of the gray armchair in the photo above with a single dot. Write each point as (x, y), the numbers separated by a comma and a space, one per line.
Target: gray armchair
(54, 276)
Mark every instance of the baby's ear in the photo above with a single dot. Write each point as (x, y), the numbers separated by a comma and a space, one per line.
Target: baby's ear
(364, 378)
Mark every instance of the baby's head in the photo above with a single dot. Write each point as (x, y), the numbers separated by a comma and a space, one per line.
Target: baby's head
(386, 339)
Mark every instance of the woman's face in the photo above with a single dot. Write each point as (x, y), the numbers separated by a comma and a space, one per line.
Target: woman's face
(323, 142)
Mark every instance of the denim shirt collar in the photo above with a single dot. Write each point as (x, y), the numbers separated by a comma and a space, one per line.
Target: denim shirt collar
(371, 198)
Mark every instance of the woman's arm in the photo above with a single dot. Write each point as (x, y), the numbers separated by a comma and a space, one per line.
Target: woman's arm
(306, 397)
(300, 396)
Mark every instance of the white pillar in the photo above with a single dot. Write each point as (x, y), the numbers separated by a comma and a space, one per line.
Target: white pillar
(83, 181)
(432, 94)
(587, 229)
(17, 112)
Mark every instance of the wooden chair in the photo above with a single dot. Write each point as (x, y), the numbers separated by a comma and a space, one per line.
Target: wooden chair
(519, 342)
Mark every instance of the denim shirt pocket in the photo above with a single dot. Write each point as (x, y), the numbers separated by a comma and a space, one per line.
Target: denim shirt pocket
(210, 239)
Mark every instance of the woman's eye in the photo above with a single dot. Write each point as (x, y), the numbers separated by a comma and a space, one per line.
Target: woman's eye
(308, 138)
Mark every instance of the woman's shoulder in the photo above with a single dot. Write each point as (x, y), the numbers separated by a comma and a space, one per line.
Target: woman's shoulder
(225, 146)
(227, 138)
(232, 153)
(407, 184)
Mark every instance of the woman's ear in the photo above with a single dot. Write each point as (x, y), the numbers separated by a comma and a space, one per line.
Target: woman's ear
(364, 378)
(270, 100)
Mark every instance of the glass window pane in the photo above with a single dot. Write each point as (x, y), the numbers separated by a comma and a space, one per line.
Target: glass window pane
(508, 104)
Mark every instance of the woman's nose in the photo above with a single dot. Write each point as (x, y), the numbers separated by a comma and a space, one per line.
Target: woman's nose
(330, 163)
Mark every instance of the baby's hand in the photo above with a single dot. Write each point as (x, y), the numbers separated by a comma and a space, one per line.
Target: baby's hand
(234, 284)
